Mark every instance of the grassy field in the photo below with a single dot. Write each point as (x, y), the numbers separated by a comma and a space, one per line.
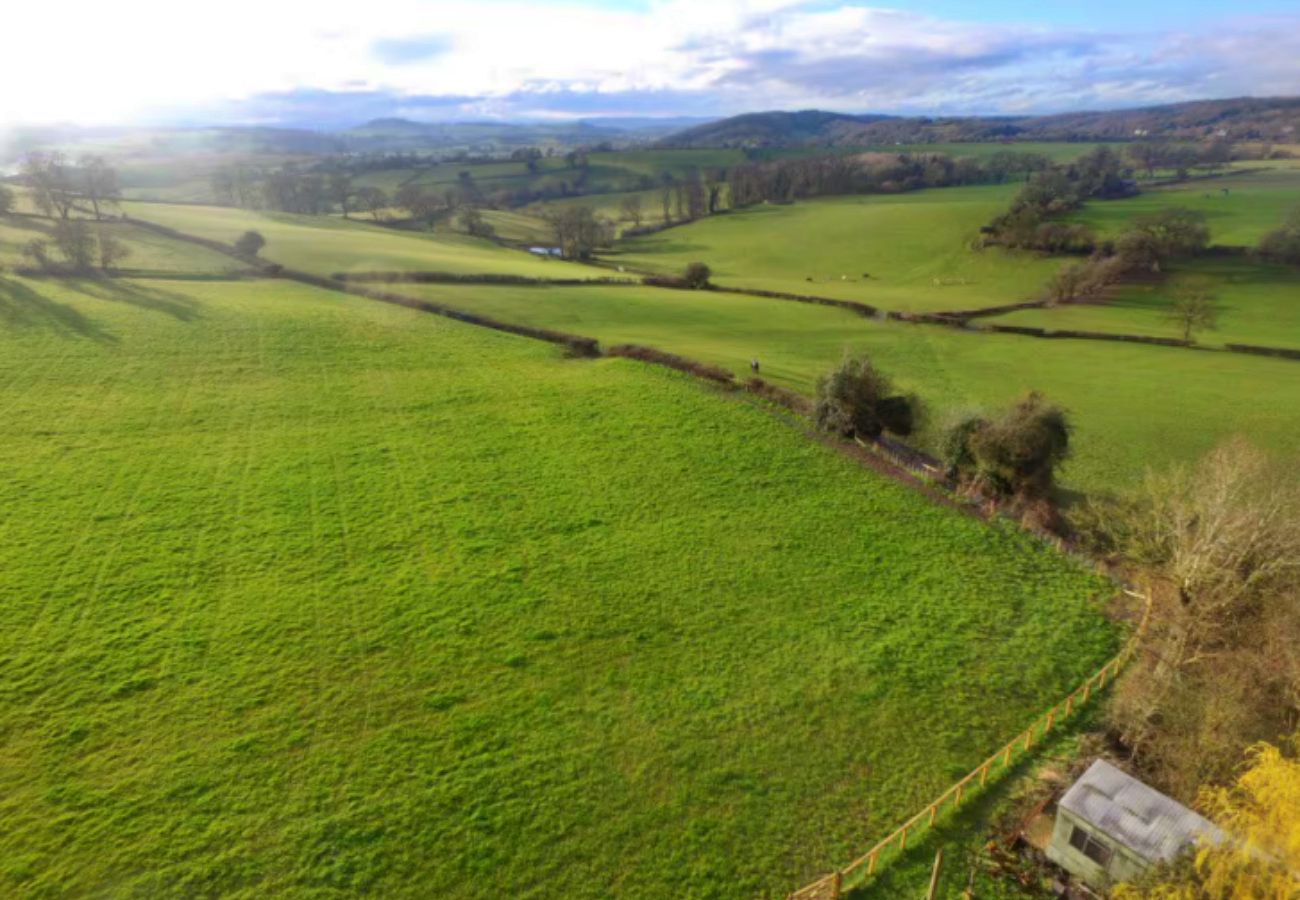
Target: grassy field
(306, 595)
(327, 244)
(1257, 304)
(147, 250)
(1256, 202)
(1134, 407)
(914, 247)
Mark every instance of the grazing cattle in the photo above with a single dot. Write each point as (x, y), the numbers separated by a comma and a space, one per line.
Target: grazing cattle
(753, 365)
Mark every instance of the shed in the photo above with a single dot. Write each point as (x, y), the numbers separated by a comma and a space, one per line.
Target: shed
(1110, 827)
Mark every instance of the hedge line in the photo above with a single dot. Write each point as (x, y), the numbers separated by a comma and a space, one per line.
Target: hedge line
(673, 361)
(865, 309)
(487, 278)
(1085, 335)
(1282, 352)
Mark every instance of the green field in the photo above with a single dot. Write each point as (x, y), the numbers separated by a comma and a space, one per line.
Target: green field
(149, 251)
(327, 244)
(307, 595)
(1134, 407)
(1256, 303)
(1256, 202)
(914, 247)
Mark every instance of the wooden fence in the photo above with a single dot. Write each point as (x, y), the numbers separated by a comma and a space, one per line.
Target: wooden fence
(830, 887)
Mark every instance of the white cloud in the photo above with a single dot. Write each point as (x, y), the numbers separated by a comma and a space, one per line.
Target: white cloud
(94, 62)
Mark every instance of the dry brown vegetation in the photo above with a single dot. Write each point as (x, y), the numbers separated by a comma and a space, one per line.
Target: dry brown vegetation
(1219, 667)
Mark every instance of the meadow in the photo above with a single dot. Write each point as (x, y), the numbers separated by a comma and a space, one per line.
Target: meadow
(1134, 408)
(148, 251)
(898, 252)
(327, 244)
(1239, 207)
(308, 595)
(1256, 304)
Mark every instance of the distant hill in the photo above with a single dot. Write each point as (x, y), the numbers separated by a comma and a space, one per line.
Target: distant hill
(1247, 118)
(405, 134)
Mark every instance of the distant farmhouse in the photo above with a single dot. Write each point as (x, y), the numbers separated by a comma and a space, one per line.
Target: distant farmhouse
(1110, 827)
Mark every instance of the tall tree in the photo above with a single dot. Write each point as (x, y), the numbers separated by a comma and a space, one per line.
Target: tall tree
(373, 200)
(50, 178)
(99, 183)
(631, 207)
(341, 191)
(1193, 308)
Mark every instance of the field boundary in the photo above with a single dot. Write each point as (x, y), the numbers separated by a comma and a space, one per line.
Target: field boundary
(855, 873)
(454, 278)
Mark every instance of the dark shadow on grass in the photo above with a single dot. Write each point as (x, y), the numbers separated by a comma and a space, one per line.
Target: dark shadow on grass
(21, 307)
(178, 306)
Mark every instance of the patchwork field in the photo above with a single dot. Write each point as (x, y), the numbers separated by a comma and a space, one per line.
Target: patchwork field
(1239, 208)
(148, 251)
(327, 244)
(1133, 407)
(306, 595)
(900, 252)
(1256, 304)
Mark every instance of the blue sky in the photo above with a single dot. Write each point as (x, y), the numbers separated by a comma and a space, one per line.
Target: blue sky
(333, 62)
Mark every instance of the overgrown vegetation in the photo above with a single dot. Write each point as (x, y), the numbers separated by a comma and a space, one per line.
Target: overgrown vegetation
(1283, 243)
(857, 400)
(1218, 668)
(1014, 456)
(1259, 857)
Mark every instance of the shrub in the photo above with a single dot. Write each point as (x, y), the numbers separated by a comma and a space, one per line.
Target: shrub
(1283, 244)
(857, 400)
(696, 275)
(37, 252)
(75, 241)
(250, 243)
(1015, 455)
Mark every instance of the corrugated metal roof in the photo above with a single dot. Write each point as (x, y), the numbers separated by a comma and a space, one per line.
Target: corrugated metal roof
(1141, 818)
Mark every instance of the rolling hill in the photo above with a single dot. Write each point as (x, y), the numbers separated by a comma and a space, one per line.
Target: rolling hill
(1242, 118)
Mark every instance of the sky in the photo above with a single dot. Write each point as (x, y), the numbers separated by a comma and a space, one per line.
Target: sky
(338, 62)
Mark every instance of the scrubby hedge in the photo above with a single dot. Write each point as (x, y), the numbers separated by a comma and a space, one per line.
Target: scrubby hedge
(673, 361)
(487, 278)
(1283, 352)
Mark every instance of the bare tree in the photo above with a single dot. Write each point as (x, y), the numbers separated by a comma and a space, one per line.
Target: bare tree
(76, 242)
(99, 183)
(632, 209)
(1193, 308)
(111, 250)
(373, 200)
(578, 232)
(341, 192)
(50, 179)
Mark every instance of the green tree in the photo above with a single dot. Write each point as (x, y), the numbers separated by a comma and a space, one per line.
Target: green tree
(697, 275)
(1193, 308)
(858, 400)
(250, 243)
(76, 242)
(1015, 455)
(1283, 244)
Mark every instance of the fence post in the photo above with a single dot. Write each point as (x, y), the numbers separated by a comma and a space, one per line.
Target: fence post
(871, 862)
(984, 775)
(934, 875)
(837, 884)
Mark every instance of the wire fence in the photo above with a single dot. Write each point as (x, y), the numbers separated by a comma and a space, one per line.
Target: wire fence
(831, 886)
